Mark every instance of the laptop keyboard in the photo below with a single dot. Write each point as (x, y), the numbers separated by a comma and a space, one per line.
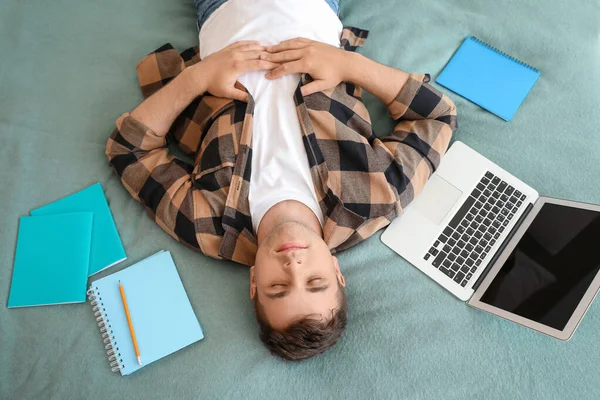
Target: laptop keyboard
(470, 235)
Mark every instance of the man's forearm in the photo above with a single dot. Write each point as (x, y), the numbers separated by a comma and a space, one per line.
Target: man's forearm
(159, 111)
(380, 80)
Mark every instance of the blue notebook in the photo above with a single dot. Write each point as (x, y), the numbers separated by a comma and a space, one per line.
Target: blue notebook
(107, 249)
(161, 313)
(488, 77)
(51, 260)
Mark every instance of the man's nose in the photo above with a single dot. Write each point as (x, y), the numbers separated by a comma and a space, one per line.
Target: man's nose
(293, 259)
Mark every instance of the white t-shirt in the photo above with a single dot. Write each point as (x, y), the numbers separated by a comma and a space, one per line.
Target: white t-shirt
(280, 169)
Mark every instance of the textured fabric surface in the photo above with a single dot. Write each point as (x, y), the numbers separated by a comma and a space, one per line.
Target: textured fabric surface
(67, 72)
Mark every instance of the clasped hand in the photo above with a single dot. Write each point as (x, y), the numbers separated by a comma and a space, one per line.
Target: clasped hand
(218, 72)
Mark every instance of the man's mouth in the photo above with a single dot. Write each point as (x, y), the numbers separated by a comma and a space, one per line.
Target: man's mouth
(291, 246)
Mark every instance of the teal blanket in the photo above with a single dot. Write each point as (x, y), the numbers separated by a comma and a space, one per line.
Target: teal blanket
(67, 71)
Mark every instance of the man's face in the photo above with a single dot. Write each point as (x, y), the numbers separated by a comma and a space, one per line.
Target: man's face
(295, 276)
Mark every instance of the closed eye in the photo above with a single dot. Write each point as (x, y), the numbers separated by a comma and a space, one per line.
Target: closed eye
(318, 289)
(278, 295)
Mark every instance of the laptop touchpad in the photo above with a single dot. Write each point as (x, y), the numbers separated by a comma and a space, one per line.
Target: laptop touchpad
(436, 199)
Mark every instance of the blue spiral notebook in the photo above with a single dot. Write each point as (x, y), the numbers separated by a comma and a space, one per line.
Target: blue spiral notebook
(489, 78)
(162, 316)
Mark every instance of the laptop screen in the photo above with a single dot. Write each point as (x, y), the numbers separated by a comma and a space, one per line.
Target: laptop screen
(551, 268)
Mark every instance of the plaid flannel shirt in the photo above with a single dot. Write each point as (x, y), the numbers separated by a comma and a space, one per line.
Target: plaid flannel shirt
(362, 182)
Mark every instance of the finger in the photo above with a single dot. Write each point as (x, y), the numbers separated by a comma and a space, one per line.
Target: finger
(249, 47)
(236, 94)
(292, 44)
(314, 87)
(242, 43)
(256, 65)
(284, 56)
(294, 67)
(254, 55)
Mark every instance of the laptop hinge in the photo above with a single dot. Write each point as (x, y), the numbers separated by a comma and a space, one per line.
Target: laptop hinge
(502, 247)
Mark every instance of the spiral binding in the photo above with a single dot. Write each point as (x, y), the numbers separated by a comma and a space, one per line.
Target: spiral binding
(112, 351)
(504, 54)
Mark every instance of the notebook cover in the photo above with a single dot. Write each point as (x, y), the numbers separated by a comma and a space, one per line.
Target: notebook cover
(51, 260)
(488, 78)
(161, 313)
(107, 249)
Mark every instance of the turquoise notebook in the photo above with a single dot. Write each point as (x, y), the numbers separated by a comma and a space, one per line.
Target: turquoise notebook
(161, 313)
(488, 77)
(51, 261)
(107, 249)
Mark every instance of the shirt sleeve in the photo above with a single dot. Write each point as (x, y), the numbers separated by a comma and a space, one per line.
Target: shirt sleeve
(158, 180)
(425, 121)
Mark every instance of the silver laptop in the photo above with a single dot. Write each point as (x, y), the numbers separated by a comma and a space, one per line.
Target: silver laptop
(490, 239)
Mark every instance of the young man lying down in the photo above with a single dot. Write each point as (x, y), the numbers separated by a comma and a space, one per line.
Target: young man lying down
(287, 170)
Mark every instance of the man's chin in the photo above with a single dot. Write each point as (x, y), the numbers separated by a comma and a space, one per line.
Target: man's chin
(288, 232)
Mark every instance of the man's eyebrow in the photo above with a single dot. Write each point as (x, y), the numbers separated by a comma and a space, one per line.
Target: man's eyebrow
(278, 295)
(318, 289)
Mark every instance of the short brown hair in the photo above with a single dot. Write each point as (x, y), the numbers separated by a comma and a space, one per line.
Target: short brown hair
(304, 338)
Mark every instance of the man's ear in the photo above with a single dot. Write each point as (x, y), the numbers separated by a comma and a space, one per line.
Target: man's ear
(338, 273)
(252, 284)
